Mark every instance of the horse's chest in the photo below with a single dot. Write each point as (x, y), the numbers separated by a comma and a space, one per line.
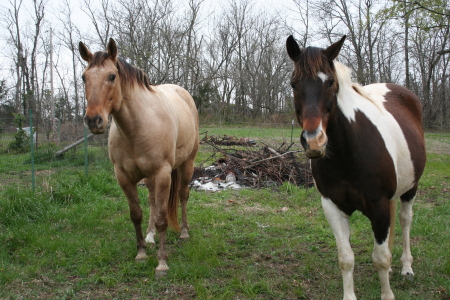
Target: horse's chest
(352, 186)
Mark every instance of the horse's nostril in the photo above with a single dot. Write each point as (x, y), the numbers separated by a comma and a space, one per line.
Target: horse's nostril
(94, 122)
(99, 121)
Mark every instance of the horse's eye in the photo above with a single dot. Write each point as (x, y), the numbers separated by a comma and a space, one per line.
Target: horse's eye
(112, 77)
(293, 86)
(329, 104)
(83, 78)
(330, 83)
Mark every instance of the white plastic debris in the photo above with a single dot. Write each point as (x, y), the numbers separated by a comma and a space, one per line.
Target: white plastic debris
(215, 186)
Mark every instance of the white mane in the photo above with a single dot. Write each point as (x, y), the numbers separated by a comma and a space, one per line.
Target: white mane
(349, 90)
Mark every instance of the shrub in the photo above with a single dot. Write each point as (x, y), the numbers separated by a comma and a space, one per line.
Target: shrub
(21, 143)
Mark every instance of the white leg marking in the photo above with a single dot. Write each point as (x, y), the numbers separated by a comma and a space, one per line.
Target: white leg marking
(150, 238)
(406, 215)
(382, 260)
(339, 222)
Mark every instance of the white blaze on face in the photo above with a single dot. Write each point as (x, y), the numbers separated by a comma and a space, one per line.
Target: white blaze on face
(372, 106)
(322, 76)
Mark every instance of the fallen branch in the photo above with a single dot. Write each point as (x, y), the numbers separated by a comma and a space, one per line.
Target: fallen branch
(61, 152)
(269, 158)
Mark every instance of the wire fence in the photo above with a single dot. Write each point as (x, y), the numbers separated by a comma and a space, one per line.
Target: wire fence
(33, 151)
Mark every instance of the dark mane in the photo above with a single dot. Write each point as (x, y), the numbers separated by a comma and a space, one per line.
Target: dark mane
(129, 75)
(310, 62)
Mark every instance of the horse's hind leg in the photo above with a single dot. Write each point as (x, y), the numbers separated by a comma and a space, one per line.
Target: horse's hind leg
(186, 171)
(406, 215)
(130, 191)
(151, 230)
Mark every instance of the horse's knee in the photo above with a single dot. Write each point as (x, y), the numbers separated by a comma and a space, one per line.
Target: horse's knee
(161, 222)
(381, 257)
(346, 260)
(136, 215)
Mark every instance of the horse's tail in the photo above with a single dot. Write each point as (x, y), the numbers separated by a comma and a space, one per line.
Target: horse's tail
(172, 206)
(393, 210)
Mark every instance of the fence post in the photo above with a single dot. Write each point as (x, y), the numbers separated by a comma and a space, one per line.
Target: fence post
(59, 131)
(85, 152)
(33, 182)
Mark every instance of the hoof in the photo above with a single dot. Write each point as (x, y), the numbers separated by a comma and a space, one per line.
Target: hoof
(409, 277)
(408, 273)
(141, 257)
(161, 273)
(184, 236)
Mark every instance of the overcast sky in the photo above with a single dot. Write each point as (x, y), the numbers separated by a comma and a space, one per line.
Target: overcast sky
(210, 9)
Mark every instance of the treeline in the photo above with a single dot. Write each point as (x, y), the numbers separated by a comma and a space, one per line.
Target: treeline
(230, 55)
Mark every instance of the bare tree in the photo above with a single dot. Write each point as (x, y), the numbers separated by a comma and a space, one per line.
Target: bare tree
(25, 57)
(100, 19)
(69, 36)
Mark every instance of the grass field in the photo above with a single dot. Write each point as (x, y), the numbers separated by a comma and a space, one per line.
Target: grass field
(72, 238)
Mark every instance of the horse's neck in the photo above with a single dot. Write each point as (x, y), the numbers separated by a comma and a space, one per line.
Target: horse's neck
(135, 103)
(339, 132)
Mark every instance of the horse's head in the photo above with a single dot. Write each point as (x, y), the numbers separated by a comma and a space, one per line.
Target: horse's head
(102, 86)
(315, 88)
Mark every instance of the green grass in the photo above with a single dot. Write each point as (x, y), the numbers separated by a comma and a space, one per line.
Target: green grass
(72, 239)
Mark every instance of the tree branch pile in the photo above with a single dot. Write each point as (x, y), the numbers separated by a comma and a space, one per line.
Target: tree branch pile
(269, 164)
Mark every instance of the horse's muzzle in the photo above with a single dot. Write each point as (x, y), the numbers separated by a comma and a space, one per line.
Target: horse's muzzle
(95, 124)
(314, 143)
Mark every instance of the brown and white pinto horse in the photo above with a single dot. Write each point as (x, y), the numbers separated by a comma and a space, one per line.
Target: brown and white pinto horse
(367, 149)
(153, 136)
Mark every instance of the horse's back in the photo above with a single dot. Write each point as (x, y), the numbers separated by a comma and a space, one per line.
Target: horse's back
(403, 104)
(182, 107)
(179, 95)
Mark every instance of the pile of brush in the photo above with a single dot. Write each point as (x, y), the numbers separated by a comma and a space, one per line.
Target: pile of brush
(265, 165)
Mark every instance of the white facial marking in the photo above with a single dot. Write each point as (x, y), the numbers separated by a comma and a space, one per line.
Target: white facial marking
(322, 76)
(371, 105)
(313, 134)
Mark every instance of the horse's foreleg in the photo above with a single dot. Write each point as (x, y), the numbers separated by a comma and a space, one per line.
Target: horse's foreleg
(130, 191)
(382, 261)
(162, 192)
(341, 228)
(381, 256)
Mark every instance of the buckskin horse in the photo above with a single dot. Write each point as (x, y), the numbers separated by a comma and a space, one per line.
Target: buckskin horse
(367, 149)
(153, 136)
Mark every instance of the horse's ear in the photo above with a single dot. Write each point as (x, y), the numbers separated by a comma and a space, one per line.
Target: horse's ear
(292, 48)
(112, 49)
(333, 51)
(84, 52)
